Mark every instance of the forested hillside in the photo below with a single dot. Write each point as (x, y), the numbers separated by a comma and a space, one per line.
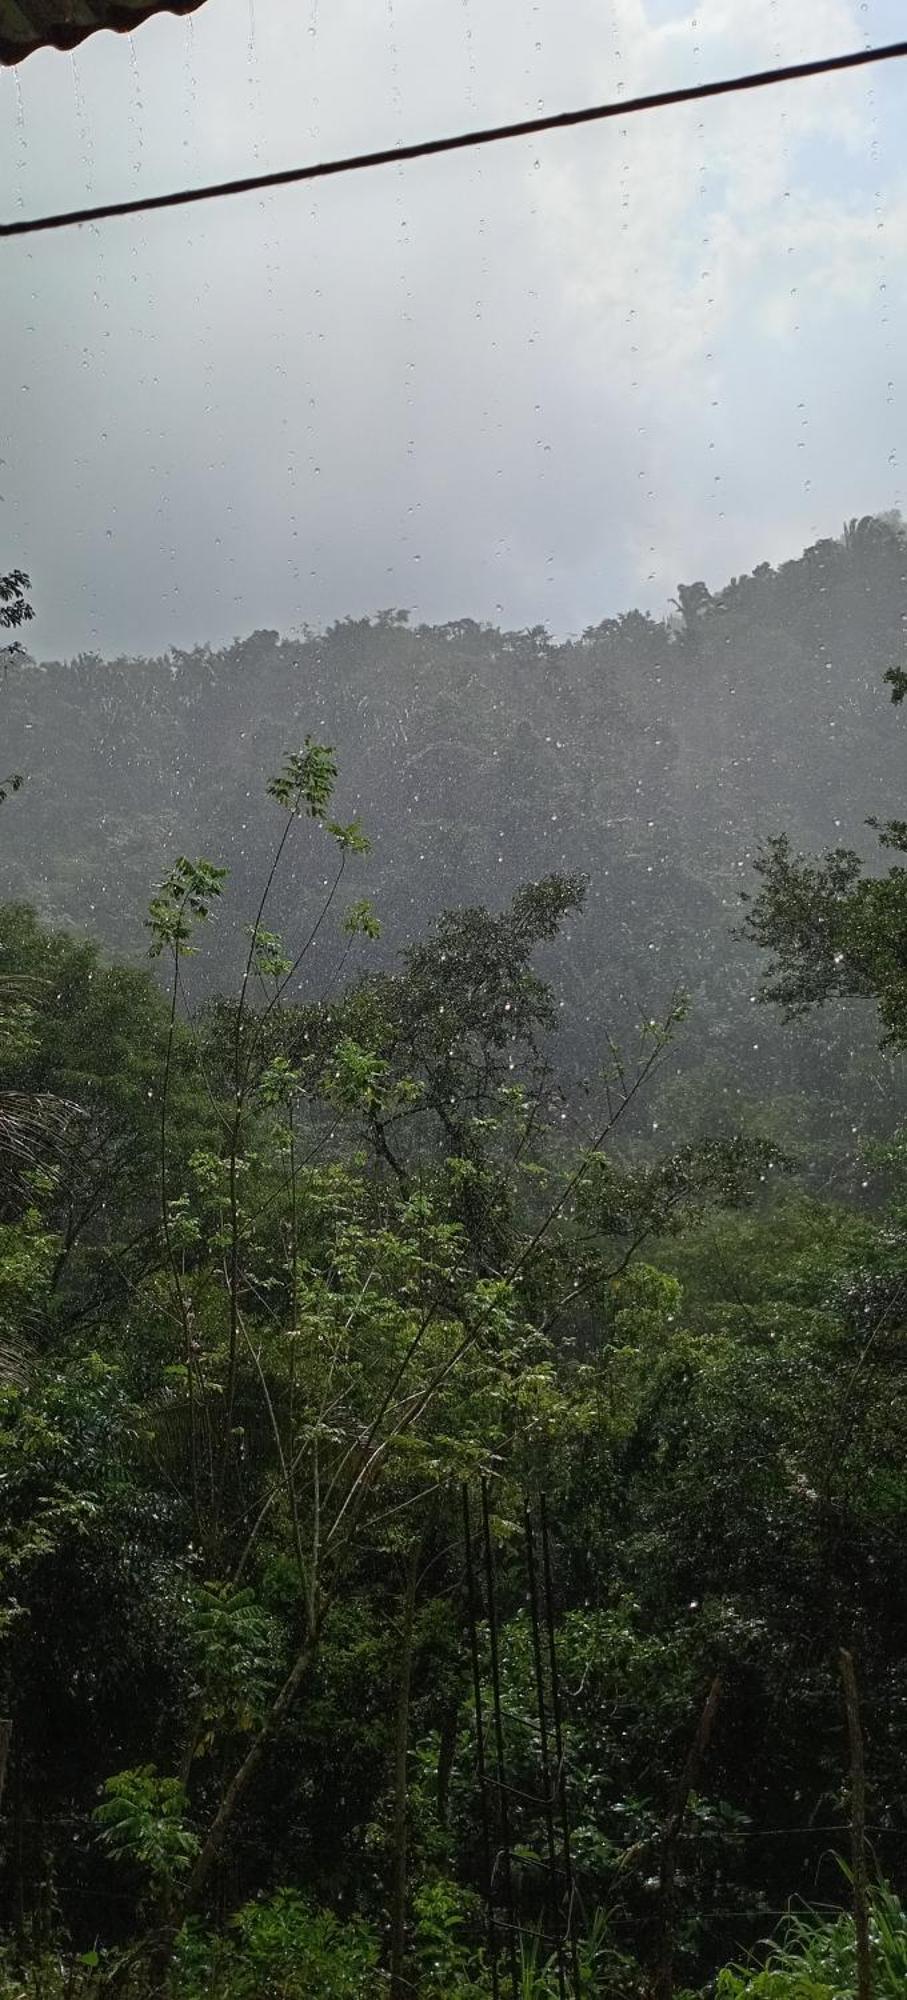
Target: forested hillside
(653, 755)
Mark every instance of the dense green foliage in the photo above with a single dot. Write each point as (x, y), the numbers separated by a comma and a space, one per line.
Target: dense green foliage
(290, 1257)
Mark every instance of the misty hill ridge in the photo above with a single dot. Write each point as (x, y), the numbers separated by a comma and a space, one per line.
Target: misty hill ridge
(654, 754)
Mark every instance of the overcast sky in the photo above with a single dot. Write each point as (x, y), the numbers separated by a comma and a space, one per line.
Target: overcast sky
(540, 384)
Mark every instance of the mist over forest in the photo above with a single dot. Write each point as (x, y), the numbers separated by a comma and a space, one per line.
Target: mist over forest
(655, 756)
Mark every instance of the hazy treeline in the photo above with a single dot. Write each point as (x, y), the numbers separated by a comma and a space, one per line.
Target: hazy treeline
(652, 754)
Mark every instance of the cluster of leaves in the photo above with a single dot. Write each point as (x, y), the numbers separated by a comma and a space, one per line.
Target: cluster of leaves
(15, 609)
(142, 1819)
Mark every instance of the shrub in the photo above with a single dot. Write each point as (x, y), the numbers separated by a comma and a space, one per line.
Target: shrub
(815, 1959)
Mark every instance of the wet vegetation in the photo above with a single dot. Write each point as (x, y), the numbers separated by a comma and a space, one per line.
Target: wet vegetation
(386, 1119)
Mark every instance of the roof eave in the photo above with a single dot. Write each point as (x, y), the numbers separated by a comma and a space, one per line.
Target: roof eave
(28, 25)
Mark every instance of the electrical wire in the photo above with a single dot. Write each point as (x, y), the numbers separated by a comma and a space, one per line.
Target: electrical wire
(457, 142)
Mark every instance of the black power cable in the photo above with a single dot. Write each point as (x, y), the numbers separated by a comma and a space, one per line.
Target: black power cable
(458, 142)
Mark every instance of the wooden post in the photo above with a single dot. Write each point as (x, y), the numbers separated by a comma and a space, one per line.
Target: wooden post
(857, 1826)
(663, 1981)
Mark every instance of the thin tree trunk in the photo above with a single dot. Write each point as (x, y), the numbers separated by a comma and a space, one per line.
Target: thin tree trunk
(218, 1834)
(663, 1981)
(18, 1837)
(400, 1833)
(6, 1730)
(222, 1824)
(447, 1750)
(857, 1826)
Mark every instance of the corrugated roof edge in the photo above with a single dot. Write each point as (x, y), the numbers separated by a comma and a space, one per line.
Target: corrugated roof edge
(67, 34)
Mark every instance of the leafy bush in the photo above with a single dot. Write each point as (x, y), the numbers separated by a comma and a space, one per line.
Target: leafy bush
(444, 1915)
(816, 1959)
(447, 1965)
(281, 1948)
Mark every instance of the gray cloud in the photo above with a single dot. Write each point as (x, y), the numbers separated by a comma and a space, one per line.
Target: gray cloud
(537, 385)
